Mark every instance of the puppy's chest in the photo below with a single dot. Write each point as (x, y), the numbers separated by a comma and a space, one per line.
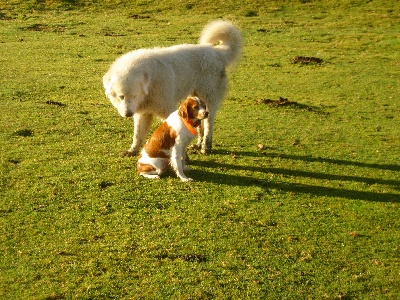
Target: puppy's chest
(163, 139)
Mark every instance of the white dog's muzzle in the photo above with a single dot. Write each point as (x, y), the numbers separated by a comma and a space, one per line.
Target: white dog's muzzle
(124, 109)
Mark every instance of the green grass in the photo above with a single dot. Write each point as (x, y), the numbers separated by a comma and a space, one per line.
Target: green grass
(295, 202)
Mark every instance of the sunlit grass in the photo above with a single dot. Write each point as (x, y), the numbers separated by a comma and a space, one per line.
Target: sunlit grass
(297, 201)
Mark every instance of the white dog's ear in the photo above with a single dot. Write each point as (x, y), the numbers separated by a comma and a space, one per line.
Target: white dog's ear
(106, 79)
(106, 83)
(146, 83)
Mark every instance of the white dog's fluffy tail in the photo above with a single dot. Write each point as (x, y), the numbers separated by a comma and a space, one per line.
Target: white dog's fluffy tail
(223, 35)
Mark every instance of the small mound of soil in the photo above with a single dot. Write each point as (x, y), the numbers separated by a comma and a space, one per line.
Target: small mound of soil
(45, 28)
(280, 102)
(284, 102)
(51, 102)
(24, 132)
(304, 60)
(139, 17)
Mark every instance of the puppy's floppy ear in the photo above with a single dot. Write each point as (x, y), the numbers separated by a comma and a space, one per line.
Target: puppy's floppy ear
(183, 110)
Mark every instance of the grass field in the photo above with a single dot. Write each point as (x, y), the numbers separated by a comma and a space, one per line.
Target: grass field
(296, 201)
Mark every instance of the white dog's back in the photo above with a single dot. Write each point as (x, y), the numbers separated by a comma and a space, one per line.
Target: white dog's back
(217, 35)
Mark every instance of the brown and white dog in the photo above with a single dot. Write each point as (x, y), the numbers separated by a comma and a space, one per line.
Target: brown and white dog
(167, 145)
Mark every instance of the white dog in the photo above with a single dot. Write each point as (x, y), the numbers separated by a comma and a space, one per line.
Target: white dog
(167, 145)
(149, 82)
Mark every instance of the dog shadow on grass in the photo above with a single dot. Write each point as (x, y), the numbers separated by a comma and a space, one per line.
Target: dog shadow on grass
(238, 180)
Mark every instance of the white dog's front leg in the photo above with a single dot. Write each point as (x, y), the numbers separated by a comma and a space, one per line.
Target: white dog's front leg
(141, 125)
(176, 163)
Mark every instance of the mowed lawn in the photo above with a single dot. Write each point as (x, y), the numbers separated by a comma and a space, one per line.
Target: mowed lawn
(298, 200)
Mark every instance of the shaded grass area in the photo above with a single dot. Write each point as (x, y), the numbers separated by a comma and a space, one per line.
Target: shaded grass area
(311, 213)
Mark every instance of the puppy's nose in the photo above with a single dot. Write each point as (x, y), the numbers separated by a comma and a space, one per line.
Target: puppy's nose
(206, 114)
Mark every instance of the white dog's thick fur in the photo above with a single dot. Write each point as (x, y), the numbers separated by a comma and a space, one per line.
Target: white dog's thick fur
(149, 82)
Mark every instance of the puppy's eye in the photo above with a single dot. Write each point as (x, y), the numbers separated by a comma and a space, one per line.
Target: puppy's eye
(121, 97)
(196, 107)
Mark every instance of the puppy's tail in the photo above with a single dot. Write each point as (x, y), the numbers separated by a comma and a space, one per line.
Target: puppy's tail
(225, 36)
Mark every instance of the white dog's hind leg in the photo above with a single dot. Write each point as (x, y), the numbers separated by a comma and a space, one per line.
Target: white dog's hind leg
(200, 135)
(207, 136)
(185, 161)
(141, 125)
(213, 98)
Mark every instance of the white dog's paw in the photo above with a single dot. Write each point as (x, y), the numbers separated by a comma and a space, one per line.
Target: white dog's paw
(205, 149)
(186, 179)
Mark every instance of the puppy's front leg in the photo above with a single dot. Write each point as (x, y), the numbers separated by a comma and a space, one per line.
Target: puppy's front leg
(176, 162)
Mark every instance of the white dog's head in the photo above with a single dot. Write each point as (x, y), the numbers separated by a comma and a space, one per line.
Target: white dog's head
(126, 92)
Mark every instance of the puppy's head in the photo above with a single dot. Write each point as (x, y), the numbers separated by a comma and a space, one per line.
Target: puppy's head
(193, 109)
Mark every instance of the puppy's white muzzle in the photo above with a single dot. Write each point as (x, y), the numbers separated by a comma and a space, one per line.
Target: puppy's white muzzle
(203, 114)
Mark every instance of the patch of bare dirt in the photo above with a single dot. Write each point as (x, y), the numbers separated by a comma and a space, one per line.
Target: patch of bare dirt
(284, 102)
(305, 60)
(45, 28)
